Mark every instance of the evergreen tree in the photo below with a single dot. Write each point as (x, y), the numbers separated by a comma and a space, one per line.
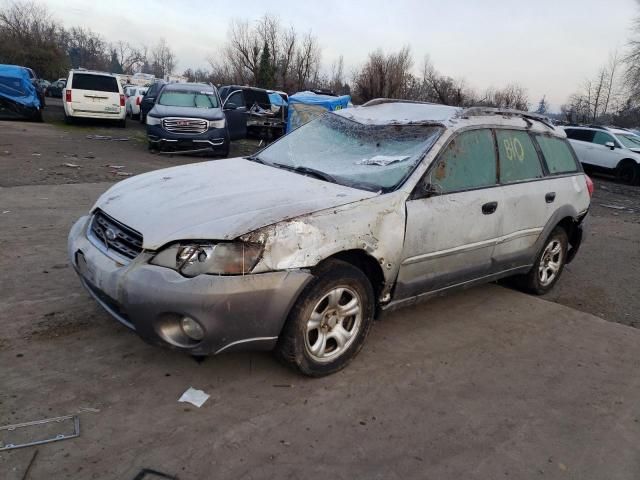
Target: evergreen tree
(266, 71)
(542, 106)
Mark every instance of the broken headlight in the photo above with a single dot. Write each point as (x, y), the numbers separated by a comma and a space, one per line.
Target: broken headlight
(226, 258)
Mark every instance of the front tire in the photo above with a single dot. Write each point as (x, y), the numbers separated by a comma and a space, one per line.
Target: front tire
(329, 322)
(549, 264)
(628, 172)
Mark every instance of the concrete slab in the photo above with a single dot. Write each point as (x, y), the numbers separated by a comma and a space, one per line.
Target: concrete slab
(483, 384)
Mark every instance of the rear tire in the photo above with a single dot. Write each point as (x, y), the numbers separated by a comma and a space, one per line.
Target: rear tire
(141, 117)
(123, 123)
(628, 172)
(67, 119)
(549, 264)
(329, 321)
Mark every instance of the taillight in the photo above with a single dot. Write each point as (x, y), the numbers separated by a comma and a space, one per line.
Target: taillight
(121, 100)
(68, 96)
(590, 186)
(137, 100)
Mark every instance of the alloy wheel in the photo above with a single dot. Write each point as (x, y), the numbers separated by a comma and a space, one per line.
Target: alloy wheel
(334, 324)
(550, 263)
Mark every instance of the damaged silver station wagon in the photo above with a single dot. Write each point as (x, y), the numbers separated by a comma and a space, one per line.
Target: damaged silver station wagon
(359, 211)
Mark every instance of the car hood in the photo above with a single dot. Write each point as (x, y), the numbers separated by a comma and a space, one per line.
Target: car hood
(193, 112)
(217, 200)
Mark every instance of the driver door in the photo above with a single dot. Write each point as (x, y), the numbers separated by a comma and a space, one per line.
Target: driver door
(235, 111)
(453, 225)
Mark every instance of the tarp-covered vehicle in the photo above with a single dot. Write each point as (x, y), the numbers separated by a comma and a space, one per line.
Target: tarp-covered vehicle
(18, 95)
(305, 106)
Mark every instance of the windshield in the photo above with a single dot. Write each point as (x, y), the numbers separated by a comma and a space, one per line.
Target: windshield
(629, 140)
(370, 157)
(188, 99)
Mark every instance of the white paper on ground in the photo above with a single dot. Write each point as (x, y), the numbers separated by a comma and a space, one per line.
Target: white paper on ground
(194, 396)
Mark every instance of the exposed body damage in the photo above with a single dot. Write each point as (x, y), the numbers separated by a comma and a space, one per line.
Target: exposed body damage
(374, 226)
(364, 208)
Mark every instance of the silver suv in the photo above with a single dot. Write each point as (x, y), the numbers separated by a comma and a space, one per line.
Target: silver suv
(359, 211)
(608, 149)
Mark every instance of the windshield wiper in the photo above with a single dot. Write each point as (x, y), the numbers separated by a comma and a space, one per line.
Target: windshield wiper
(307, 171)
(255, 158)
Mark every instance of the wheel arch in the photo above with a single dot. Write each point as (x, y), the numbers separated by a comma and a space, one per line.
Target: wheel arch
(365, 263)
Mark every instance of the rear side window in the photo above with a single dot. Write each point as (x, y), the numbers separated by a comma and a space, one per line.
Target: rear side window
(557, 154)
(519, 159)
(578, 134)
(99, 83)
(468, 161)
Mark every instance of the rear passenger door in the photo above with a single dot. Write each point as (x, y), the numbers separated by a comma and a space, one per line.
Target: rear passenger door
(453, 218)
(530, 198)
(581, 142)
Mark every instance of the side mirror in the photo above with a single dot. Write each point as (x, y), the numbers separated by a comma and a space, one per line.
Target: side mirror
(611, 145)
(230, 106)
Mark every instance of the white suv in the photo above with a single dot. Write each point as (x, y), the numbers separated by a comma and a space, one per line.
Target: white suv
(608, 149)
(90, 94)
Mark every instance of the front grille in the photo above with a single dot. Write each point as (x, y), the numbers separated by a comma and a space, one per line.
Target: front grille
(116, 236)
(185, 125)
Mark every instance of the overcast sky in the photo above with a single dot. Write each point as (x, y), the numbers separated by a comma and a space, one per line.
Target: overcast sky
(548, 46)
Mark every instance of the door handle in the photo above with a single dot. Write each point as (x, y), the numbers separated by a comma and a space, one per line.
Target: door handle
(489, 208)
(550, 197)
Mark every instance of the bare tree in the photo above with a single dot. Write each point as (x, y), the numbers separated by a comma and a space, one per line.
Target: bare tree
(384, 75)
(163, 58)
(129, 57)
(307, 62)
(29, 36)
(243, 51)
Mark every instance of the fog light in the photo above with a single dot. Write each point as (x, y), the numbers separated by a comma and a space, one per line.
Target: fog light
(192, 329)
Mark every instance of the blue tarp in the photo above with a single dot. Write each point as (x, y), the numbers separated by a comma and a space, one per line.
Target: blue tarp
(276, 99)
(305, 106)
(16, 86)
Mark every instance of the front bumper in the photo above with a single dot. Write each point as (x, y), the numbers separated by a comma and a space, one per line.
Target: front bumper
(236, 312)
(216, 138)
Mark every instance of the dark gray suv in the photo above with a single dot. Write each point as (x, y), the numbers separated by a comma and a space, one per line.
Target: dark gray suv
(188, 117)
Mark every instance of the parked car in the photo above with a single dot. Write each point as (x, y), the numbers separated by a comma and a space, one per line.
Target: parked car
(250, 109)
(36, 82)
(56, 88)
(188, 116)
(607, 149)
(149, 99)
(133, 97)
(296, 248)
(97, 95)
(19, 96)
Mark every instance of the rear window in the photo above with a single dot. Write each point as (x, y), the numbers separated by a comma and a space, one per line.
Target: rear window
(557, 154)
(188, 99)
(578, 134)
(98, 83)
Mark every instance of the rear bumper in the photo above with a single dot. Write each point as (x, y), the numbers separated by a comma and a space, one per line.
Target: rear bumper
(236, 312)
(72, 112)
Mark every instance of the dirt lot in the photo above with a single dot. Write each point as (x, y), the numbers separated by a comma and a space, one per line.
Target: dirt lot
(484, 384)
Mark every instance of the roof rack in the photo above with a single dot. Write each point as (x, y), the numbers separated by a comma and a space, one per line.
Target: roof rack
(380, 101)
(471, 111)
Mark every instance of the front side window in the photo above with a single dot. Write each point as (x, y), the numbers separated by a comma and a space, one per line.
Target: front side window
(236, 99)
(602, 138)
(519, 159)
(98, 83)
(185, 98)
(557, 154)
(467, 162)
(369, 157)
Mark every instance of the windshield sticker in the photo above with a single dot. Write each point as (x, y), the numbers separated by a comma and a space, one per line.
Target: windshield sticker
(382, 160)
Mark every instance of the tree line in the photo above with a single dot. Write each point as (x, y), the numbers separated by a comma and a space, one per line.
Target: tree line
(30, 36)
(268, 54)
